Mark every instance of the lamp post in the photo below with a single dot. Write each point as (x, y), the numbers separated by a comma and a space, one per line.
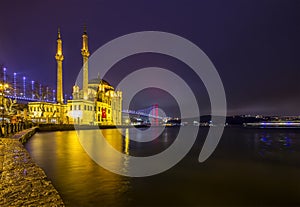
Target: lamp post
(3, 87)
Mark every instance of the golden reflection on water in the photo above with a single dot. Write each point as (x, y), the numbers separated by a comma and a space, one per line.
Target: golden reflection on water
(247, 177)
(98, 145)
(113, 137)
(73, 169)
(127, 138)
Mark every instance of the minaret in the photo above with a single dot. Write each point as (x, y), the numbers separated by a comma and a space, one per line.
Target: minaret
(85, 55)
(59, 58)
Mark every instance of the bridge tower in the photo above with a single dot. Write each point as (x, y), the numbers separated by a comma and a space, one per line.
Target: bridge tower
(59, 59)
(155, 113)
(85, 56)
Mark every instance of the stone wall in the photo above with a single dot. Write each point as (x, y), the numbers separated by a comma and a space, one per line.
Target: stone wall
(22, 182)
(25, 135)
(55, 127)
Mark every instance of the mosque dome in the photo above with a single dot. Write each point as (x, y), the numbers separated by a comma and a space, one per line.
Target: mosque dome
(98, 81)
(94, 84)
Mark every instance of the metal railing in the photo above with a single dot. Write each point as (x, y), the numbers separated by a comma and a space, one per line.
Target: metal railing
(8, 129)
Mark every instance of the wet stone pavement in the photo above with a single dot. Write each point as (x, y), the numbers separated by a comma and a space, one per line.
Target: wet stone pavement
(22, 182)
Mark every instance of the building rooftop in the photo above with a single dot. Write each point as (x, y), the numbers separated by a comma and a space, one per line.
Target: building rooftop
(98, 81)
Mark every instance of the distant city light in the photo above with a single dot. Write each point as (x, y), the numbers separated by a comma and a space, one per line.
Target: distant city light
(4, 74)
(26, 90)
(47, 91)
(32, 88)
(15, 84)
(24, 86)
(40, 90)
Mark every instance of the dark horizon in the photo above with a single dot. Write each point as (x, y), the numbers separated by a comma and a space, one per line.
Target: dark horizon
(253, 44)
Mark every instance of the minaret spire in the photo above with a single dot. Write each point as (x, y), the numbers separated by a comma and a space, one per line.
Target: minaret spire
(58, 33)
(84, 29)
(85, 56)
(59, 58)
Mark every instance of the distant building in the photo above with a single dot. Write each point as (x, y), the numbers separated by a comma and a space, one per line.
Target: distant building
(96, 103)
(45, 112)
(108, 105)
(103, 107)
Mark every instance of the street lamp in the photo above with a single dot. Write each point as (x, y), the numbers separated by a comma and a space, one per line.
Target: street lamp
(3, 87)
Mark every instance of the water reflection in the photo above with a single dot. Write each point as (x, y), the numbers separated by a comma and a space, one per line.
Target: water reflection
(249, 167)
(127, 138)
(77, 177)
(276, 146)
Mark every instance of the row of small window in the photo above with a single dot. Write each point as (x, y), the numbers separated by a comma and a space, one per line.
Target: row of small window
(46, 109)
(78, 107)
(101, 119)
(104, 101)
(86, 108)
(108, 110)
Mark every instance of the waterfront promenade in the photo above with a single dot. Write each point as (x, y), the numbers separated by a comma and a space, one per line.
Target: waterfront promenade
(22, 182)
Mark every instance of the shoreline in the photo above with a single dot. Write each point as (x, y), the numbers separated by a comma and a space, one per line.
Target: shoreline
(22, 181)
(71, 127)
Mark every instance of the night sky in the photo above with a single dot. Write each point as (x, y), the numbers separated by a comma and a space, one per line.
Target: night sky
(254, 45)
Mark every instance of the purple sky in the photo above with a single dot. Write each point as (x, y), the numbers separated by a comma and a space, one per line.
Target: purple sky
(254, 45)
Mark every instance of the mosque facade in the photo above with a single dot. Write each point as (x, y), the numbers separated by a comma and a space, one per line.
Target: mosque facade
(96, 103)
